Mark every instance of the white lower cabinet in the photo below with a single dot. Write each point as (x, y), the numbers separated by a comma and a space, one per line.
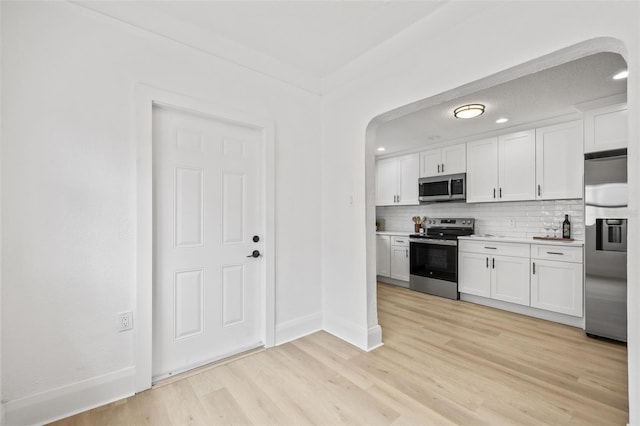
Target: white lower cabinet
(498, 277)
(400, 263)
(474, 275)
(557, 285)
(510, 279)
(383, 255)
(550, 278)
(392, 257)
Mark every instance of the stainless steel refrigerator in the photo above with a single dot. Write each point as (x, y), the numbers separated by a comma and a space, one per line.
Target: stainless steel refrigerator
(605, 199)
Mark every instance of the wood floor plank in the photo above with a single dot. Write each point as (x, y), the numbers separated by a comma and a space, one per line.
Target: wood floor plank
(443, 362)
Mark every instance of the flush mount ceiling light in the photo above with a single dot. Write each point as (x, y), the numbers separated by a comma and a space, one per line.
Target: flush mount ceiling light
(621, 75)
(469, 111)
(381, 149)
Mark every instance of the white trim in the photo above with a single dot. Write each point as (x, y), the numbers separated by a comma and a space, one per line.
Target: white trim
(298, 327)
(346, 330)
(145, 97)
(65, 401)
(374, 338)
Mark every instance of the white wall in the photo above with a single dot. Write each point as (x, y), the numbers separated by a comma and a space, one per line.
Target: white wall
(69, 195)
(459, 44)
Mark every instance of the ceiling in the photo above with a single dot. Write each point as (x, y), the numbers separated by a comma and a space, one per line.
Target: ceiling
(305, 42)
(312, 38)
(549, 93)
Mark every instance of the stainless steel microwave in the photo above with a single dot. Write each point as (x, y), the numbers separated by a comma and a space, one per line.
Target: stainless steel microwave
(443, 188)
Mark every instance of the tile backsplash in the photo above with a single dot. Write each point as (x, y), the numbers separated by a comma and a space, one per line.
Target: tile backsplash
(512, 219)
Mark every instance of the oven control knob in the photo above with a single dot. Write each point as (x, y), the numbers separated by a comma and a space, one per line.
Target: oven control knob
(464, 222)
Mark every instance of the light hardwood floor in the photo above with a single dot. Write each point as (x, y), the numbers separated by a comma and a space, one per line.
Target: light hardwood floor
(443, 362)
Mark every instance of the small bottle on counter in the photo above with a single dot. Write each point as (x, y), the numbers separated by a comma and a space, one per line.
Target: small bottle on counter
(566, 227)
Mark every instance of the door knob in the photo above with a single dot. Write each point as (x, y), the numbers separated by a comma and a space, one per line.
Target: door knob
(255, 253)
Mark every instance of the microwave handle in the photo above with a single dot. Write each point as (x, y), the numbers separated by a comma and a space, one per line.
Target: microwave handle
(450, 188)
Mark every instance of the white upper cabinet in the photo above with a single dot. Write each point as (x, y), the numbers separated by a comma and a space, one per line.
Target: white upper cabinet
(408, 167)
(443, 161)
(559, 161)
(516, 166)
(430, 162)
(482, 170)
(397, 180)
(502, 169)
(605, 128)
(386, 181)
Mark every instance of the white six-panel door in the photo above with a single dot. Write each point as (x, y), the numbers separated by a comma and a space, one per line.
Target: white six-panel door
(206, 200)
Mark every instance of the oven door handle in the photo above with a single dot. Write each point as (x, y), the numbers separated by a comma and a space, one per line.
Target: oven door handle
(434, 242)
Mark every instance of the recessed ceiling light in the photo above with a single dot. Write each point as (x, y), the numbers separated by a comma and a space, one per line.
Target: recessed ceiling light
(502, 120)
(469, 111)
(380, 149)
(621, 75)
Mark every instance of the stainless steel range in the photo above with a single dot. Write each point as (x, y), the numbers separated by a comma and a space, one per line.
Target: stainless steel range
(434, 256)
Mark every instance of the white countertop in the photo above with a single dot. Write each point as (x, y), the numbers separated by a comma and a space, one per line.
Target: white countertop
(527, 240)
(399, 233)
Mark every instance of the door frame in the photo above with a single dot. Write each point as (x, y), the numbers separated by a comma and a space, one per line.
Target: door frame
(146, 97)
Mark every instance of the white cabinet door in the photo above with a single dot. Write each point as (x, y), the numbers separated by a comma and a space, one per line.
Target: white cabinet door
(474, 274)
(386, 182)
(517, 168)
(510, 279)
(430, 162)
(397, 180)
(557, 286)
(408, 170)
(454, 159)
(383, 255)
(400, 263)
(606, 128)
(482, 170)
(559, 161)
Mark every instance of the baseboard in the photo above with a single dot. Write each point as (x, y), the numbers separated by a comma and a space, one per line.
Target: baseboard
(374, 338)
(525, 310)
(68, 400)
(346, 330)
(299, 327)
(393, 281)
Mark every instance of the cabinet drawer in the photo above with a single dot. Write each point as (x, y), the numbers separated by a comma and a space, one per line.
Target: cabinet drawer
(400, 241)
(554, 252)
(494, 247)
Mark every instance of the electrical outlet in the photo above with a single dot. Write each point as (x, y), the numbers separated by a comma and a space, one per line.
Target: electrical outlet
(125, 321)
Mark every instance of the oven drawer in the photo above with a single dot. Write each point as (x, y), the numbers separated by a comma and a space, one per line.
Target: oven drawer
(554, 252)
(400, 241)
(497, 248)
